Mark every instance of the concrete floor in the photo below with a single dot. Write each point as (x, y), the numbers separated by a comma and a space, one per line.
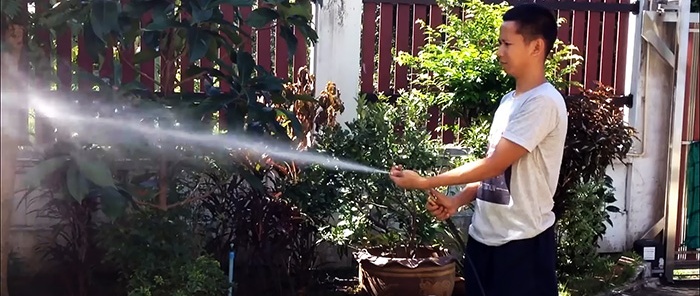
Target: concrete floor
(690, 288)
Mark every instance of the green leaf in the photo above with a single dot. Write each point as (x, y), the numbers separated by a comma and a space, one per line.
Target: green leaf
(198, 43)
(43, 169)
(291, 40)
(77, 185)
(238, 3)
(296, 125)
(199, 14)
(301, 8)
(146, 54)
(113, 202)
(245, 64)
(261, 16)
(94, 45)
(252, 180)
(104, 17)
(96, 171)
(11, 8)
(232, 34)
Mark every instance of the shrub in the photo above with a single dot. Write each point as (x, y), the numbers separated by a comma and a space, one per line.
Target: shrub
(596, 136)
(458, 64)
(373, 211)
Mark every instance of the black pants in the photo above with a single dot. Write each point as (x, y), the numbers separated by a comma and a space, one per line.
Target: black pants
(523, 267)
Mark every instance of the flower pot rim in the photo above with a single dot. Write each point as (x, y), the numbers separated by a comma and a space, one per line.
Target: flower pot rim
(364, 256)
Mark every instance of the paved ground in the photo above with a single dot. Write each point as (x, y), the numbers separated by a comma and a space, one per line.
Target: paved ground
(683, 289)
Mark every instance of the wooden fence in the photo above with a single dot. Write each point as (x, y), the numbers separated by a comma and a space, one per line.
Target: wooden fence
(598, 28)
(67, 49)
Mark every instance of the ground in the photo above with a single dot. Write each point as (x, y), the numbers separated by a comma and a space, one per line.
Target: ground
(691, 288)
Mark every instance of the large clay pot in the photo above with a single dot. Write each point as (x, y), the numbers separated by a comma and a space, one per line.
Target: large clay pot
(427, 271)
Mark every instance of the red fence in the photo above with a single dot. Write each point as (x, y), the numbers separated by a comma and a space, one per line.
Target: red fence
(598, 28)
(268, 48)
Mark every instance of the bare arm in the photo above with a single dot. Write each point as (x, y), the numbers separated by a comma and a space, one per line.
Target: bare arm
(505, 154)
(467, 195)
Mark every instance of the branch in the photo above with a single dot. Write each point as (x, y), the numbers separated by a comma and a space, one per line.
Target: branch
(188, 79)
(191, 199)
(119, 49)
(146, 204)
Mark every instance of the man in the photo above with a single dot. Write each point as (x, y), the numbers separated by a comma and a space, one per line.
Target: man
(511, 248)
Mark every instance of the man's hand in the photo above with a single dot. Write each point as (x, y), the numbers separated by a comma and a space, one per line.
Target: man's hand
(407, 179)
(441, 206)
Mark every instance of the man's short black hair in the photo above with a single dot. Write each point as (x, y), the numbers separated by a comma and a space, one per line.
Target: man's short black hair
(534, 21)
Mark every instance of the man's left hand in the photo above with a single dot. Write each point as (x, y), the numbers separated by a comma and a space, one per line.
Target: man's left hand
(407, 179)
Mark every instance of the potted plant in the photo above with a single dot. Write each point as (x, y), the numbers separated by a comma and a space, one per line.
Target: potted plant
(396, 242)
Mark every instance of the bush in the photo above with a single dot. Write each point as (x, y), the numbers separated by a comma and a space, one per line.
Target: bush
(373, 211)
(458, 64)
(596, 136)
(159, 253)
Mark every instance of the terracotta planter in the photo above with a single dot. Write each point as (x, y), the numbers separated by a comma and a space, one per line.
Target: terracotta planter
(460, 287)
(428, 272)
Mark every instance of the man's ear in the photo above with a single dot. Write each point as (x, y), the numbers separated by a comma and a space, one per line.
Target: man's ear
(537, 47)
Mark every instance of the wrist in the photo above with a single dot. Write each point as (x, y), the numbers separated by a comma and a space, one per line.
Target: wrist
(424, 183)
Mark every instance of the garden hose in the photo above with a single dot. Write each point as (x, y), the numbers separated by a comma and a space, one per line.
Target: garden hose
(453, 228)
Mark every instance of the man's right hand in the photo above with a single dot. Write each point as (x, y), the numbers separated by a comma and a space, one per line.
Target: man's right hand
(441, 206)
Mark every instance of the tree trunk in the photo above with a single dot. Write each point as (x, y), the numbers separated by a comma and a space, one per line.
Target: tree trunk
(8, 161)
(13, 37)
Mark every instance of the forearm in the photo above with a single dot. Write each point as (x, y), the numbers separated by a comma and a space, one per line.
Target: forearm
(467, 195)
(475, 171)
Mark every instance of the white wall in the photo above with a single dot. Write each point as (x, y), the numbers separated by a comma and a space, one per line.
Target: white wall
(337, 53)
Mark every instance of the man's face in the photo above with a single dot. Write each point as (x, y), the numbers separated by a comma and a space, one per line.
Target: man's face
(514, 53)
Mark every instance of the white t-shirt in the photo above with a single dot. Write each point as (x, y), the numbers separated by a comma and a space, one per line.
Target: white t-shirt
(518, 203)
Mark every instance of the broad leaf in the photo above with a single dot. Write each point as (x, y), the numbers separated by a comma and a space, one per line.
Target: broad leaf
(198, 42)
(200, 14)
(239, 3)
(245, 64)
(261, 16)
(93, 43)
(113, 202)
(104, 17)
(291, 40)
(294, 121)
(77, 185)
(43, 169)
(96, 171)
(146, 54)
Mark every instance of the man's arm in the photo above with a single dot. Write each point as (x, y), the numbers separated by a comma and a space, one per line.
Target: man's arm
(504, 155)
(467, 195)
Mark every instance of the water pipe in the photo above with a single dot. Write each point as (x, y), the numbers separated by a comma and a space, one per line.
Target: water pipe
(231, 257)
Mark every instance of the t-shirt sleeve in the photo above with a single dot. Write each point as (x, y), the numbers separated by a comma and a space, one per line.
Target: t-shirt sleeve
(531, 124)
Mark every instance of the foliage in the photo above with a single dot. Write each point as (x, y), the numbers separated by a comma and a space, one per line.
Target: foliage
(459, 65)
(263, 229)
(608, 272)
(579, 228)
(77, 173)
(596, 136)
(71, 245)
(374, 212)
(695, 6)
(160, 253)
(271, 216)
(313, 114)
(181, 34)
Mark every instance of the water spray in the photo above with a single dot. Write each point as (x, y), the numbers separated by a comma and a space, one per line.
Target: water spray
(96, 128)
